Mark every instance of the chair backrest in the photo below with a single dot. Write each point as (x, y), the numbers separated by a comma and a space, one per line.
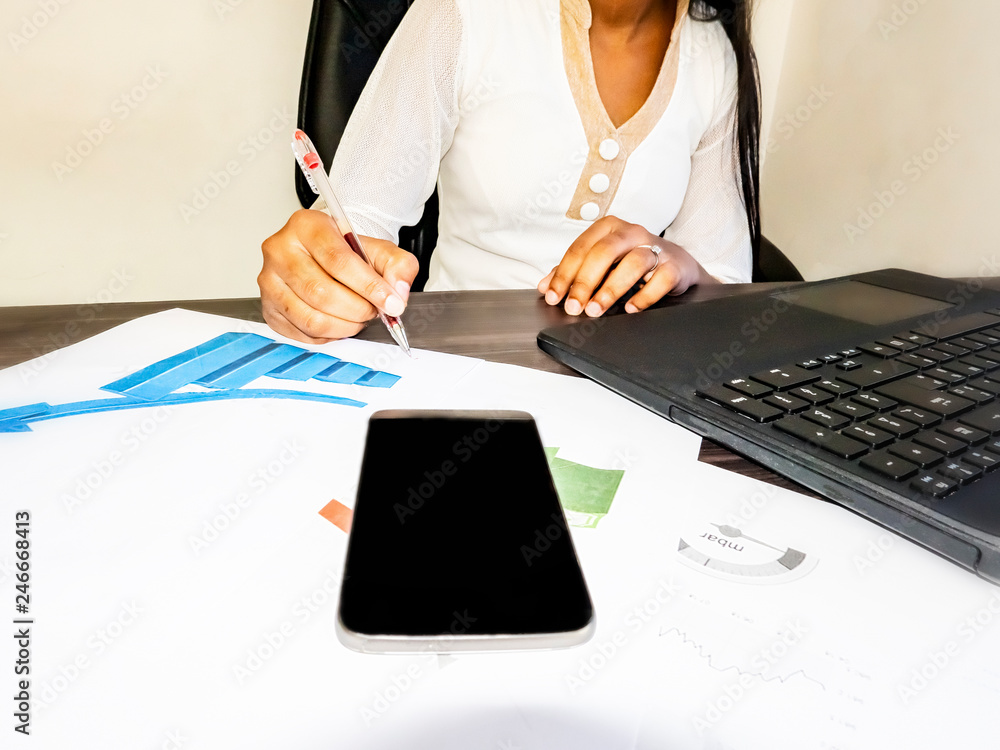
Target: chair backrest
(770, 264)
(346, 38)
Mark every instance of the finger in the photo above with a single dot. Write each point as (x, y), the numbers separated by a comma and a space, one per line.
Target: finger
(281, 325)
(332, 253)
(290, 265)
(665, 280)
(563, 276)
(302, 321)
(603, 255)
(313, 285)
(633, 266)
(398, 267)
(543, 285)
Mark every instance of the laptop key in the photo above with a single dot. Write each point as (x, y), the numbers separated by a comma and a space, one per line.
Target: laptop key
(984, 338)
(748, 387)
(871, 375)
(934, 485)
(836, 387)
(942, 443)
(786, 402)
(972, 346)
(880, 350)
(918, 417)
(961, 367)
(822, 437)
(852, 409)
(985, 418)
(849, 364)
(973, 394)
(871, 436)
(933, 401)
(985, 384)
(758, 411)
(968, 435)
(903, 346)
(943, 372)
(813, 395)
(898, 427)
(889, 465)
(914, 338)
(917, 454)
(935, 354)
(950, 347)
(826, 419)
(786, 377)
(912, 358)
(925, 381)
(987, 363)
(961, 472)
(876, 402)
(982, 459)
(990, 355)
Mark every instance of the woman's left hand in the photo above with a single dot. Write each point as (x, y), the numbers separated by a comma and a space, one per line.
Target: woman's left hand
(667, 269)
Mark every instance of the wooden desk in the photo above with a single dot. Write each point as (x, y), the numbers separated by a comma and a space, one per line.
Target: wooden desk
(495, 325)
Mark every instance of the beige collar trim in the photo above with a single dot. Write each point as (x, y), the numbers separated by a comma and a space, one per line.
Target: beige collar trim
(609, 147)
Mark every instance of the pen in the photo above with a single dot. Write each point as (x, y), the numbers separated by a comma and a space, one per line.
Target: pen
(315, 173)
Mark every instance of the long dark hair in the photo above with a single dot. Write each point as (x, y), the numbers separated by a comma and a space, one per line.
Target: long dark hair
(734, 15)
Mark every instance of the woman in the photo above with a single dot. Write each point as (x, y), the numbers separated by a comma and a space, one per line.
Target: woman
(545, 124)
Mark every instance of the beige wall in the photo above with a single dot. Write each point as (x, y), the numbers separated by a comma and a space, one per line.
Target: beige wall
(771, 22)
(884, 146)
(118, 114)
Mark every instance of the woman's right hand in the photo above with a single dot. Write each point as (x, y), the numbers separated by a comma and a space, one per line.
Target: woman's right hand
(314, 288)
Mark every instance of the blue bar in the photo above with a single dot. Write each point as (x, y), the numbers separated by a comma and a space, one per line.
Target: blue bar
(29, 410)
(250, 367)
(303, 367)
(343, 372)
(167, 375)
(377, 379)
(170, 400)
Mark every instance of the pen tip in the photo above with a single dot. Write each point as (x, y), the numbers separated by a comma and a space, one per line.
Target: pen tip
(397, 332)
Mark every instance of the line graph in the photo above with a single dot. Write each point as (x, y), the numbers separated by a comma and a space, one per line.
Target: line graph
(709, 659)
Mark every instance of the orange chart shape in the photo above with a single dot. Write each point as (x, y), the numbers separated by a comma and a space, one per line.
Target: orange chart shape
(338, 514)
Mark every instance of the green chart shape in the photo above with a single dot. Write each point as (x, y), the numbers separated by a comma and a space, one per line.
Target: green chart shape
(585, 492)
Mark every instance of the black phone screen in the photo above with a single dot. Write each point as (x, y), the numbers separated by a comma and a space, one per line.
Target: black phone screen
(458, 530)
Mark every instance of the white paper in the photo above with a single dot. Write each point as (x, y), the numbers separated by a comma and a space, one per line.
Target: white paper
(184, 584)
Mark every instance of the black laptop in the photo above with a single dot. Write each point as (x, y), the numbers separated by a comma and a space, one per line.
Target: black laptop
(879, 391)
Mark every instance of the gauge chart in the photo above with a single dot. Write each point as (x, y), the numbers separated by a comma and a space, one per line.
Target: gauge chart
(728, 552)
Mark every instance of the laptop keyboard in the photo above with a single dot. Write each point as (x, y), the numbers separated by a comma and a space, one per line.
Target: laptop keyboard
(920, 409)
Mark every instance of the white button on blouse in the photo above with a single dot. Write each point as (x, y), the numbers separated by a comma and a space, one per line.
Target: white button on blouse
(589, 211)
(608, 149)
(600, 182)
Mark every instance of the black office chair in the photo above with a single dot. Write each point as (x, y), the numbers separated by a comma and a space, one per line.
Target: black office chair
(770, 264)
(345, 40)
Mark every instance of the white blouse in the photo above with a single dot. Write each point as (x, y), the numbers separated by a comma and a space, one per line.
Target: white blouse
(495, 103)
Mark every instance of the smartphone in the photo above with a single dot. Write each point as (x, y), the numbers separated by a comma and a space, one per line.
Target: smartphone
(458, 541)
